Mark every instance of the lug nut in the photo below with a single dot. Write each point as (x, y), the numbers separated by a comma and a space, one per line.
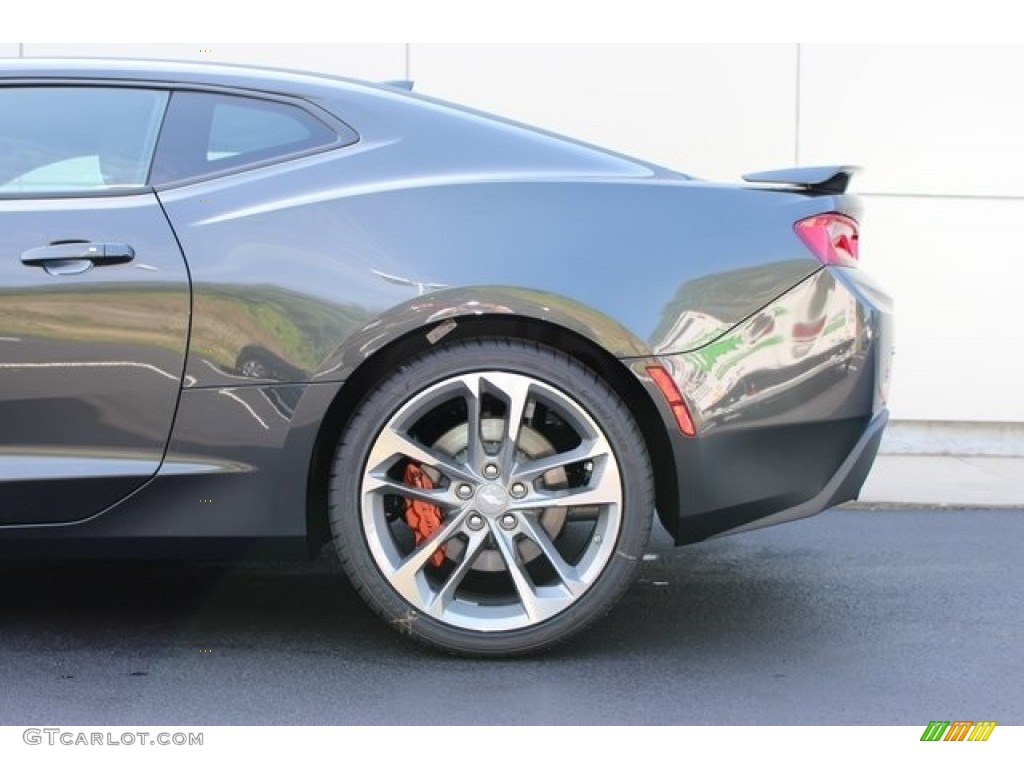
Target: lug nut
(464, 491)
(508, 522)
(491, 471)
(518, 490)
(475, 522)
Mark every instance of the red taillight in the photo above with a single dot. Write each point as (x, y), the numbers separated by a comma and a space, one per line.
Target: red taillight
(832, 237)
(667, 386)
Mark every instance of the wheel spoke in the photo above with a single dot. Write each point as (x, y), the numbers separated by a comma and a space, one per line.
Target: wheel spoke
(537, 606)
(444, 596)
(515, 391)
(474, 425)
(528, 471)
(391, 445)
(377, 483)
(604, 488)
(566, 573)
(521, 579)
(403, 577)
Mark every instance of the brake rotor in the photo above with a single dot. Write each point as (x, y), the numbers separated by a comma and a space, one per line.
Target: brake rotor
(532, 445)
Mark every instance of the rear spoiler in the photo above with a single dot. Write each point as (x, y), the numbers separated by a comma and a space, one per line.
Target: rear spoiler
(818, 180)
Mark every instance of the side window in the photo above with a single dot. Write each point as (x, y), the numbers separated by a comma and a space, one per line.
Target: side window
(209, 133)
(76, 139)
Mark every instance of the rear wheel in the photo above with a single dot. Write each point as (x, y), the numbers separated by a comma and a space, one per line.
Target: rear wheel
(492, 497)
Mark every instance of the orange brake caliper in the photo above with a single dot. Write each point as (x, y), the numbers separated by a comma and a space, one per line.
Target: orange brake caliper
(423, 517)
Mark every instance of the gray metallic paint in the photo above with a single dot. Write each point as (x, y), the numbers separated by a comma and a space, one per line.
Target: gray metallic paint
(328, 266)
(783, 414)
(91, 363)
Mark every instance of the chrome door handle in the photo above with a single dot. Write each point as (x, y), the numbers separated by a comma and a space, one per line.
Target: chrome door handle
(97, 254)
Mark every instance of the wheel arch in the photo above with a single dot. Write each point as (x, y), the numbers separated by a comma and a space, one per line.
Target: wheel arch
(389, 357)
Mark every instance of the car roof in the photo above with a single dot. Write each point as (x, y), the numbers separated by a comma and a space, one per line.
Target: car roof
(282, 81)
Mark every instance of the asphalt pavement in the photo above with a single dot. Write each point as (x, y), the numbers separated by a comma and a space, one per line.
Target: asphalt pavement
(893, 617)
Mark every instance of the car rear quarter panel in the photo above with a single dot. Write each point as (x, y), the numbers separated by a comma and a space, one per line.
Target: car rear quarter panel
(303, 262)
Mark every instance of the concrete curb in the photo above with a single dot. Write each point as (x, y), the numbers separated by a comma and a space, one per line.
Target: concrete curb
(955, 482)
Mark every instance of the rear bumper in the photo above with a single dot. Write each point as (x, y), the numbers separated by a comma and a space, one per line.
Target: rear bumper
(844, 485)
(790, 406)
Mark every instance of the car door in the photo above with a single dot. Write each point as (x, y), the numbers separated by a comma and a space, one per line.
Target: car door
(94, 300)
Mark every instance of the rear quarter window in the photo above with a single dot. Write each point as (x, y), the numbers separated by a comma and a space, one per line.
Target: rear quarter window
(212, 133)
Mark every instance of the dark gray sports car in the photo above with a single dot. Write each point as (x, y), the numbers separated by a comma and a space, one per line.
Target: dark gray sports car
(248, 313)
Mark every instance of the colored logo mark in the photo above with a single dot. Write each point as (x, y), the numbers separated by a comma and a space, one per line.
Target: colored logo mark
(958, 730)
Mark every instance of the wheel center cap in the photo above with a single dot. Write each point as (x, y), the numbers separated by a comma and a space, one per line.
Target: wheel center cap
(491, 499)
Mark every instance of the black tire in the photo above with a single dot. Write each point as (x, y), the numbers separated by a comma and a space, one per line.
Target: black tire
(499, 501)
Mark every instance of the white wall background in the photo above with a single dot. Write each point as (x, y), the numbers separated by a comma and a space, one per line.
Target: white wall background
(939, 128)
